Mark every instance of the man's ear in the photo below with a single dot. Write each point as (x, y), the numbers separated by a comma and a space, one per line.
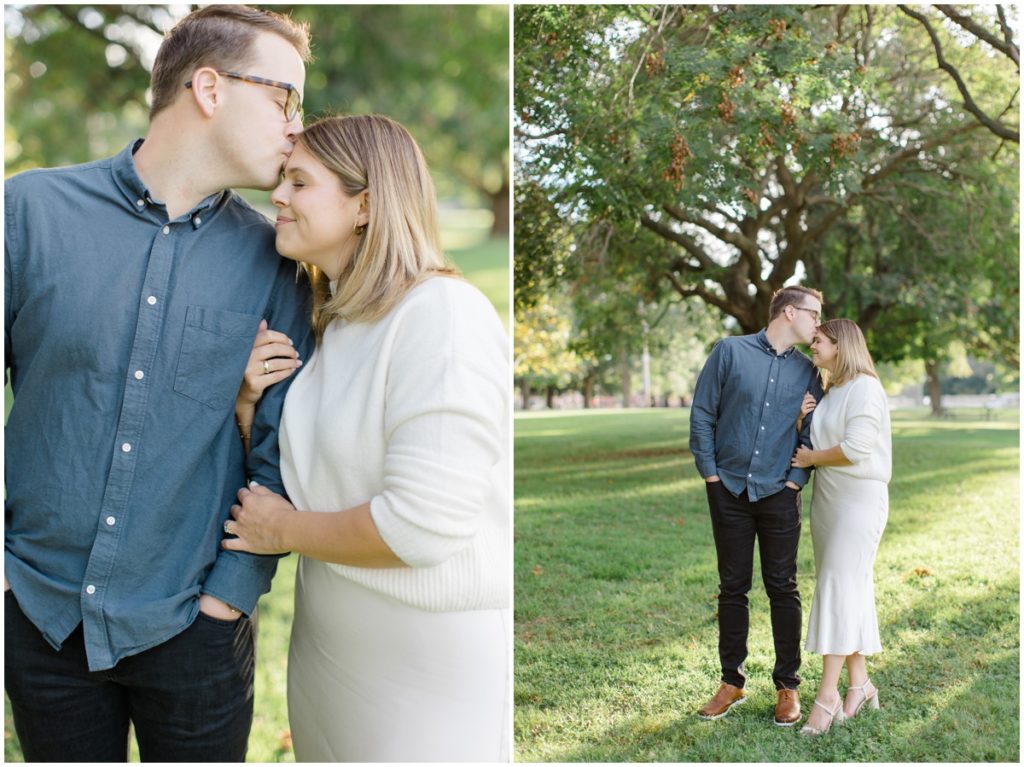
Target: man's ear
(206, 90)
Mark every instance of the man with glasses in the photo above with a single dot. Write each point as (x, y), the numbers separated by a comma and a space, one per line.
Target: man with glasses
(134, 288)
(743, 434)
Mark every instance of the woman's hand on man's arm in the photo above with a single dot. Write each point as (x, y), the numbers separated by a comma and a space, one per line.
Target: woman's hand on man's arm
(273, 358)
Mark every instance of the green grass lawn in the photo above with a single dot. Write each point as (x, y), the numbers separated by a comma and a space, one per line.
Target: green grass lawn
(616, 583)
(486, 265)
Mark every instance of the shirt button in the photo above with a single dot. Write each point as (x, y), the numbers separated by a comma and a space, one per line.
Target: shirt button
(139, 203)
(111, 521)
(126, 448)
(166, 230)
(771, 380)
(757, 452)
(151, 300)
(766, 404)
(762, 428)
(139, 375)
(198, 221)
(749, 476)
(90, 589)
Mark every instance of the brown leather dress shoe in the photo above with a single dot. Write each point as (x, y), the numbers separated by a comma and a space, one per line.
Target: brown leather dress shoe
(787, 709)
(727, 696)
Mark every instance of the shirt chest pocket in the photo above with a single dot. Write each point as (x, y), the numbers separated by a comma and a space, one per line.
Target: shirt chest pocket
(791, 397)
(214, 349)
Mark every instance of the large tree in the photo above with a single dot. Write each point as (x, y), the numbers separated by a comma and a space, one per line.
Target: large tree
(741, 141)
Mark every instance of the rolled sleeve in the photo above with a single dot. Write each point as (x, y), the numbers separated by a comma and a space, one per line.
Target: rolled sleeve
(239, 579)
(443, 441)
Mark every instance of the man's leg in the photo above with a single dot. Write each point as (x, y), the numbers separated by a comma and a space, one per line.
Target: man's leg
(62, 711)
(734, 528)
(191, 698)
(778, 535)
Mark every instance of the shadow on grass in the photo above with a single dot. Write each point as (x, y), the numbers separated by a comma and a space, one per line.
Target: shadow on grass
(938, 704)
(609, 628)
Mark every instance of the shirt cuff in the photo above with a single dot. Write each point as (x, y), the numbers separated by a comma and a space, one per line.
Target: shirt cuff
(239, 579)
(798, 476)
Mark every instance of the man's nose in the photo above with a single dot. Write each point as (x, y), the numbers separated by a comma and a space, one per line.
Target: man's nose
(294, 128)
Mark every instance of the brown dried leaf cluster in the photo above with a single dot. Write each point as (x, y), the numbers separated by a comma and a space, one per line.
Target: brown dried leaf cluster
(681, 154)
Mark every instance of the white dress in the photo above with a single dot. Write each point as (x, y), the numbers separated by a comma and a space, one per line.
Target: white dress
(410, 413)
(849, 509)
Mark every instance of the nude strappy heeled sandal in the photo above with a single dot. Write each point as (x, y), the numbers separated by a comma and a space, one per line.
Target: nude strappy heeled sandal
(870, 698)
(834, 715)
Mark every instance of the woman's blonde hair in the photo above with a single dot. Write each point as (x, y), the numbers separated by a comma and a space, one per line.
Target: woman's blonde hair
(852, 355)
(400, 246)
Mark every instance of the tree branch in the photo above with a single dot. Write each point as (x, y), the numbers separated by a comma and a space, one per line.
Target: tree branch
(1006, 46)
(520, 133)
(995, 126)
(132, 13)
(1007, 32)
(69, 13)
(733, 238)
(898, 158)
(701, 292)
(679, 238)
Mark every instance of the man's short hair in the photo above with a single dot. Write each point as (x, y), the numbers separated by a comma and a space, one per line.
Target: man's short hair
(218, 36)
(794, 295)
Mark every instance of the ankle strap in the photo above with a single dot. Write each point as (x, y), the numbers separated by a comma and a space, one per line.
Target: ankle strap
(860, 686)
(829, 711)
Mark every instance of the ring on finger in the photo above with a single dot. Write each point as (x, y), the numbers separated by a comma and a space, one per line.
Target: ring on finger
(227, 526)
(266, 366)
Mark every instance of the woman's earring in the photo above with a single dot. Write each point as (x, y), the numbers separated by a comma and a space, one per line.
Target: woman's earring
(358, 229)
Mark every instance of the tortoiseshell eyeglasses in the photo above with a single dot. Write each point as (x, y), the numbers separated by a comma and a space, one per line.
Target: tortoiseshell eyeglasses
(292, 104)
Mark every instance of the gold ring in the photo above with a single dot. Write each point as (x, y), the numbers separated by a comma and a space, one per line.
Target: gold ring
(227, 523)
(266, 366)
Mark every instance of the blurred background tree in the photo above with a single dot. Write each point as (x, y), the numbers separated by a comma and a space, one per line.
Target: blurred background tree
(77, 76)
(713, 154)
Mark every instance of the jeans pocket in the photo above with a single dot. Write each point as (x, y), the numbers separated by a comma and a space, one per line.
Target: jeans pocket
(215, 346)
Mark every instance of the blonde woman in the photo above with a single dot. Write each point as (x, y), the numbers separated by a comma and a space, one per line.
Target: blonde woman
(394, 453)
(848, 513)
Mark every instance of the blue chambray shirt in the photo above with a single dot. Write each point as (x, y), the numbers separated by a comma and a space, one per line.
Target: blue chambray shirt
(744, 412)
(126, 337)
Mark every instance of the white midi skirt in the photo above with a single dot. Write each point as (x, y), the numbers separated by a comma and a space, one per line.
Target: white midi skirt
(848, 516)
(371, 679)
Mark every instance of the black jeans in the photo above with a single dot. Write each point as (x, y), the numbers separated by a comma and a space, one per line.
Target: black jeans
(775, 523)
(190, 698)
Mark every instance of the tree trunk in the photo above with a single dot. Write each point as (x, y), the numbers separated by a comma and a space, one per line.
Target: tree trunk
(524, 387)
(931, 370)
(499, 207)
(624, 372)
(588, 390)
(550, 401)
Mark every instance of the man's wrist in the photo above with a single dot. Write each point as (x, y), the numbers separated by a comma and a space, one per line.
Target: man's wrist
(216, 607)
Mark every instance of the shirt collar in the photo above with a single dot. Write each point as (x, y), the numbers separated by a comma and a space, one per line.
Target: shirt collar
(126, 176)
(764, 343)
